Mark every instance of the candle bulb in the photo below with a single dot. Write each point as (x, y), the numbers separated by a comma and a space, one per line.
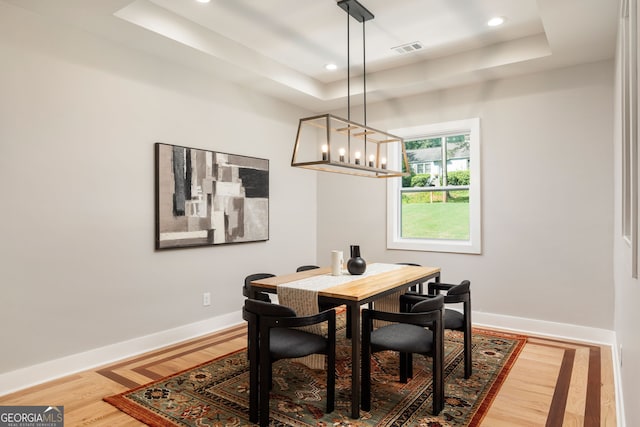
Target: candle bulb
(372, 159)
(325, 152)
(357, 157)
(383, 162)
(341, 151)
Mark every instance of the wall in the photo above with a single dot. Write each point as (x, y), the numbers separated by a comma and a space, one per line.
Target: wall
(627, 289)
(78, 120)
(547, 181)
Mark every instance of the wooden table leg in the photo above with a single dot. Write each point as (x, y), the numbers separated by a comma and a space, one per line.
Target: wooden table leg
(355, 360)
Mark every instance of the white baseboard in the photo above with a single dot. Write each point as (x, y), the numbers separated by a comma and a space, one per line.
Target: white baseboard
(621, 422)
(543, 327)
(53, 369)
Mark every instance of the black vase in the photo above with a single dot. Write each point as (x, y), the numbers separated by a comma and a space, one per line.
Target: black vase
(356, 265)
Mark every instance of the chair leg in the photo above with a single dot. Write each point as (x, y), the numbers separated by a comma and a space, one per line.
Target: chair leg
(365, 380)
(331, 381)
(438, 376)
(253, 381)
(468, 344)
(265, 371)
(404, 362)
(365, 386)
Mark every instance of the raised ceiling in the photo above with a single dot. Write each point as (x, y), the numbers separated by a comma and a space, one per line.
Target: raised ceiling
(281, 46)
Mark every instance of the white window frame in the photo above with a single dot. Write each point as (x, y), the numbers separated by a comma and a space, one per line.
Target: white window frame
(394, 238)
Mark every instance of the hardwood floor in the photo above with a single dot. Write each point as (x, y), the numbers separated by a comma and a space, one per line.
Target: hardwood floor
(553, 383)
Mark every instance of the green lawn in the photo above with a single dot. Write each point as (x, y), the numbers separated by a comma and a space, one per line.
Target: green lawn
(435, 220)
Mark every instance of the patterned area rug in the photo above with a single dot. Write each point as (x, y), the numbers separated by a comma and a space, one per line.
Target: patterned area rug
(216, 393)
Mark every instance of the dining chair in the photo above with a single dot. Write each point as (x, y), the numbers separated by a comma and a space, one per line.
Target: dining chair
(246, 288)
(307, 267)
(453, 319)
(419, 331)
(272, 327)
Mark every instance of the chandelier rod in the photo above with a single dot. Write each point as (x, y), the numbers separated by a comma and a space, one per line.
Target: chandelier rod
(348, 67)
(364, 71)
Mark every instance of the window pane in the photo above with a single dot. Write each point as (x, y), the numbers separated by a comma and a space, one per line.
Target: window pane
(435, 215)
(432, 214)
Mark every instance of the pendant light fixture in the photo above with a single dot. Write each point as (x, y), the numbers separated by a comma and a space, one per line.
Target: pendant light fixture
(333, 144)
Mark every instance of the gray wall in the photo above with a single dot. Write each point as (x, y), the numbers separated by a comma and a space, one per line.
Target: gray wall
(78, 119)
(547, 204)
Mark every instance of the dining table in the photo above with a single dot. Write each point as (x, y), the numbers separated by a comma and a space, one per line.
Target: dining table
(353, 291)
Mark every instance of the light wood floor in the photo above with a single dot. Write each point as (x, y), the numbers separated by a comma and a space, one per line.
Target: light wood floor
(553, 383)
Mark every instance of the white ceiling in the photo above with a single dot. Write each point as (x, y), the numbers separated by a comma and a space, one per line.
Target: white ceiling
(281, 46)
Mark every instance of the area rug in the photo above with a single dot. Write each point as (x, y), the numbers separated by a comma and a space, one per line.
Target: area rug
(216, 393)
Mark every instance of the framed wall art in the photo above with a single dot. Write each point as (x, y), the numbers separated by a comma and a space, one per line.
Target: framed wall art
(206, 198)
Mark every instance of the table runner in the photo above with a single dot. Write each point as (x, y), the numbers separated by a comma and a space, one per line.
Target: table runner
(302, 296)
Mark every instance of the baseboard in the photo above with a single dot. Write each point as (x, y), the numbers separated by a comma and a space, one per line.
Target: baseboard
(542, 327)
(617, 375)
(37, 374)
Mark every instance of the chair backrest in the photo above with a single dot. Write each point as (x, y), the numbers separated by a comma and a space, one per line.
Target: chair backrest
(459, 293)
(306, 267)
(261, 308)
(250, 278)
(429, 304)
(462, 288)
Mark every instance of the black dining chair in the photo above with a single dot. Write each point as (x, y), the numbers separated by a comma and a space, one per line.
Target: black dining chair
(307, 267)
(273, 328)
(246, 287)
(420, 331)
(453, 319)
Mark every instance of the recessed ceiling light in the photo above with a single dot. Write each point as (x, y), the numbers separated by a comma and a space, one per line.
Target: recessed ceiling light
(331, 67)
(203, 1)
(495, 21)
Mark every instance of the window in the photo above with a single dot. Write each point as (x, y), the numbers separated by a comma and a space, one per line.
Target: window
(437, 207)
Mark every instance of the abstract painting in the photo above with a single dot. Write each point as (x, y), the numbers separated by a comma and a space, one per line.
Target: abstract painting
(208, 198)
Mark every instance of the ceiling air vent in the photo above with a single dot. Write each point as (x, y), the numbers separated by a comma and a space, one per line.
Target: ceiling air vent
(408, 47)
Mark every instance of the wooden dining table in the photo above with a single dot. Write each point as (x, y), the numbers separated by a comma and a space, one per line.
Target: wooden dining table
(353, 292)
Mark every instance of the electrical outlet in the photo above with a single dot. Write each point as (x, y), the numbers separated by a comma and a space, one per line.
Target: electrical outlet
(206, 299)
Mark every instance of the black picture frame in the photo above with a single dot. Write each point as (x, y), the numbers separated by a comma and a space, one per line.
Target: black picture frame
(217, 198)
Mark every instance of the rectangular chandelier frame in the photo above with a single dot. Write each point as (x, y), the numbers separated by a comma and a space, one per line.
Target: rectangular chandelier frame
(332, 144)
